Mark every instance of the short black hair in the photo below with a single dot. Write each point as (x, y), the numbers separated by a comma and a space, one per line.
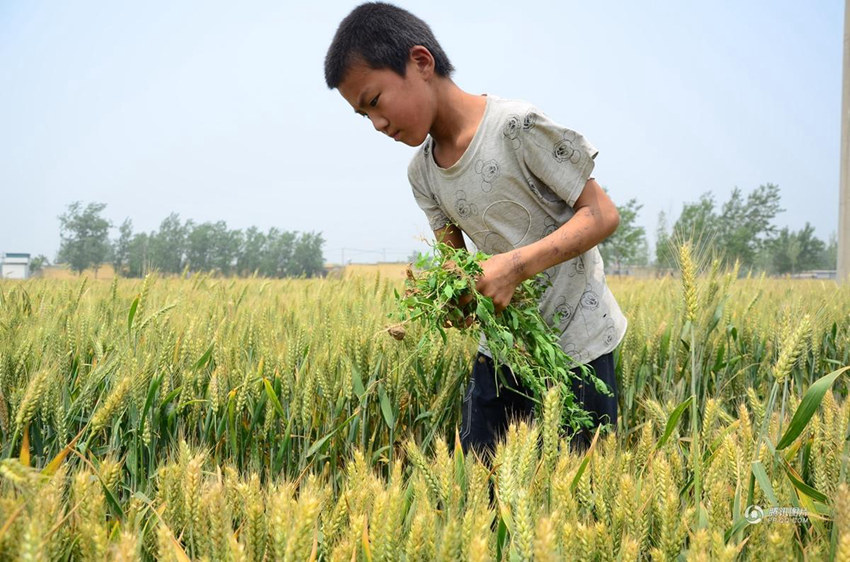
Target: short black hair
(381, 35)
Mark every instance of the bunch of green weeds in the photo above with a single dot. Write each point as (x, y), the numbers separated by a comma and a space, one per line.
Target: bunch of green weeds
(517, 337)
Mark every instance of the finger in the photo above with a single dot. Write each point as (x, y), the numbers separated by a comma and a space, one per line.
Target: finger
(464, 300)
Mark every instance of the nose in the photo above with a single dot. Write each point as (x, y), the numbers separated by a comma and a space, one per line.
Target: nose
(381, 125)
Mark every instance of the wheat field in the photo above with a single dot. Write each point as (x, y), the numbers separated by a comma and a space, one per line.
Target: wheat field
(251, 419)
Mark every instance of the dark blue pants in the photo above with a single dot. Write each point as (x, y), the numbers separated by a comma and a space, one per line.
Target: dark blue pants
(486, 415)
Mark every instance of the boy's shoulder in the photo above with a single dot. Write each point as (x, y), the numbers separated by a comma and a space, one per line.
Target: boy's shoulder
(509, 104)
(504, 106)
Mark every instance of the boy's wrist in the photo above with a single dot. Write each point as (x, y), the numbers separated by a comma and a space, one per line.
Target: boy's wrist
(539, 256)
(525, 262)
(519, 266)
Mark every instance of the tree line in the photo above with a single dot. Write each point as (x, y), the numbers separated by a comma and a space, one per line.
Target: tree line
(741, 229)
(179, 246)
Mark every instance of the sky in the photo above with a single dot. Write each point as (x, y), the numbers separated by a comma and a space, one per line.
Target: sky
(219, 110)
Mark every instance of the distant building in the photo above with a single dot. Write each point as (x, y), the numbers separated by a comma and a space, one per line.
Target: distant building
(14, 266)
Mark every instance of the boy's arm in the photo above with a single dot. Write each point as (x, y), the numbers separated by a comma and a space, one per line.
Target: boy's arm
(450, 235)
(594, 220)
(453, 236)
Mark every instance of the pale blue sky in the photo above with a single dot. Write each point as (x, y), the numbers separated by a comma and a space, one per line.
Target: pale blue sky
(218, 110)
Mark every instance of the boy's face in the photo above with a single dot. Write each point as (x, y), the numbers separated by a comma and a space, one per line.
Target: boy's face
(399, 107)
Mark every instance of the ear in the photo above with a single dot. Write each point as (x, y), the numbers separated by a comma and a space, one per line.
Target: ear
(423, 61)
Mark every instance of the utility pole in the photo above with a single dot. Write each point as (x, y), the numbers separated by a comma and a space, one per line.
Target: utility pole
(844, 195)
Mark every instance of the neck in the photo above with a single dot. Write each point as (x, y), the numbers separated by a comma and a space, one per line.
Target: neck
(458, 114)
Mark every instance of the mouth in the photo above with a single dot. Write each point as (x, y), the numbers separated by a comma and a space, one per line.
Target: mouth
(396, 135)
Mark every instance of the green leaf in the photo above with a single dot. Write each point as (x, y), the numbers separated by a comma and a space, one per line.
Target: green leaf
(673, 420)
(501, 538)
(204, 358)
(318, 444)
(132, 314)
(357, 382)
(583, 466)
(810, 403)
(737, 526)
(802, 486)
(169, 397)
(287, 436)
(487, 303)
(154, 386)
(114, 506)
(386, 408)
(273, 398)
(764, 482)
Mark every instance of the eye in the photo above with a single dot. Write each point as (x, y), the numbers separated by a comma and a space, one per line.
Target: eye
(374, 101)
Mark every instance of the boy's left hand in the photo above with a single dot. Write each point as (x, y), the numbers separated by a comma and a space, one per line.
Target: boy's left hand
(502, 273)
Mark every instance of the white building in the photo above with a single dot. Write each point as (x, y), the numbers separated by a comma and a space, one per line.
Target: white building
(14, 266)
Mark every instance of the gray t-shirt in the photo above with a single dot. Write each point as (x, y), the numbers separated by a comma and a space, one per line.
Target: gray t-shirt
(516, 183)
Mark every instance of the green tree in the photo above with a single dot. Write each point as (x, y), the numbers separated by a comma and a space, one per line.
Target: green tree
(226, 245)
(696, 223)
(138, 262)
(663, 255)
(251, 251)
(744, 228)
(121, 248)
(85, 236)
(167, 246)
(797, 251)
(696, 219)
(307, 258)
(212, 247)
(277, 259)
(38, 263)
(200, 246)
(627, 246)
(830, 253)
(740, 231)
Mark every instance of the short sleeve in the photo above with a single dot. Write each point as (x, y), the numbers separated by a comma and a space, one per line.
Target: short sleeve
(559, 157)
(428, 202)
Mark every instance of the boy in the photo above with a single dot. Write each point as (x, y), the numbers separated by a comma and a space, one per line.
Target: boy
(500, 171)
